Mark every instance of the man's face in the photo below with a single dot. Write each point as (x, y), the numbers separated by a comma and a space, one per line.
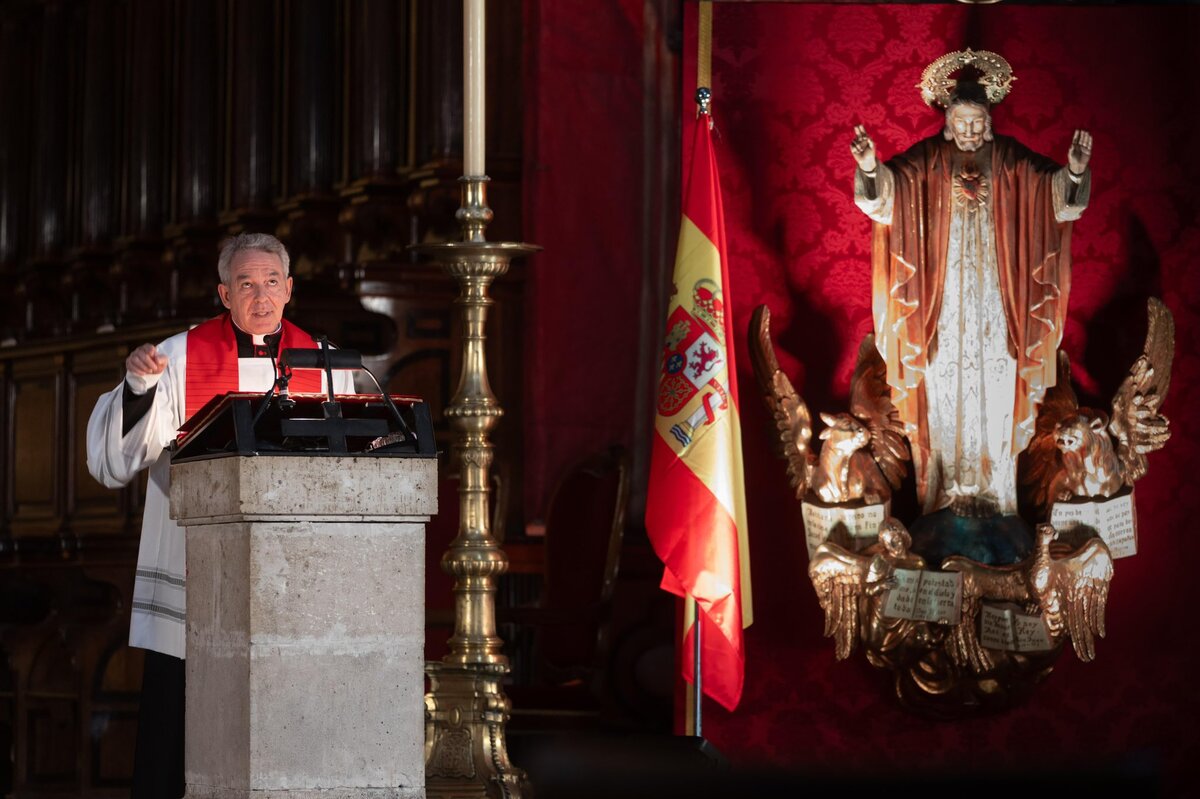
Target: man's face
(968, 123)
(257, 292)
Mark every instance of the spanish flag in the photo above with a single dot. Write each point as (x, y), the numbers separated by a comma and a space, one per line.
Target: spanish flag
(696, 508)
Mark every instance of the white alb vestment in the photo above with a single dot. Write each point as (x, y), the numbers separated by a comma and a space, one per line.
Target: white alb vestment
(159, 599)
(970, 382)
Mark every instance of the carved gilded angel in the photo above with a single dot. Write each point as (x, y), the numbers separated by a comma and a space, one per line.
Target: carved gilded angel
(1072, 453)
(851, 589)
(865, 450)
(881, 632)
(1069, 589)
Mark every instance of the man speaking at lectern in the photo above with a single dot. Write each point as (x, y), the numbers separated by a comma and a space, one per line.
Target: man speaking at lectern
(131, 428)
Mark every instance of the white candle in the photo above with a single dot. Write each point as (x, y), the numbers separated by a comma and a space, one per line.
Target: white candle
(474, 31)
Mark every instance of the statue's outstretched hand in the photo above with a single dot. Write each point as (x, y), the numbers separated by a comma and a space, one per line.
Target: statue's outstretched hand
(1080, 152)
(863, 149)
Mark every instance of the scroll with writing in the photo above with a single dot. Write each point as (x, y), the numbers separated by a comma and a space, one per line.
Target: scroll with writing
(1005, 626)
(861, 523)
(1114, 519)
(922, 595)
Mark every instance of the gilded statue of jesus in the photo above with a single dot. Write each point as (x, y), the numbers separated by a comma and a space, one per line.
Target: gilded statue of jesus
(971, 267)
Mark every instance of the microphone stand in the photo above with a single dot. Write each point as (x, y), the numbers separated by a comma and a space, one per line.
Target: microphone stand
(280, 384)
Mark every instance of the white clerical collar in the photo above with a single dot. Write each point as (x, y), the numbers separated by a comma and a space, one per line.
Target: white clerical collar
(258, 338)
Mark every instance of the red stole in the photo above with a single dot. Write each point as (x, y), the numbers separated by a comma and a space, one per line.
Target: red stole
(212, 362)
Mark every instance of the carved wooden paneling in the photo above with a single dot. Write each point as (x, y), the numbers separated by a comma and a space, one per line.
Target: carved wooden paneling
(378, 53)
(50, 152)
(99, 173)
(438, 111)
(90, 507)
(439, 99)
(15, 98)
(197, 130)
(35, 394)
(198, 139)
(112, 675)
(85, 285)
(377, 218)
(147, 119)
(8, 721)
(52, 717)
(139, 283)
(314, 104)
(252, 145)
(312, 27)
(47, 399)
(7, 458)
(66, 742)
(425, 373)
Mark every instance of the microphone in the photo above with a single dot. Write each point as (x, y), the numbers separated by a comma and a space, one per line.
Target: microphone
(282, 378)
(279, 384)
(324, 358)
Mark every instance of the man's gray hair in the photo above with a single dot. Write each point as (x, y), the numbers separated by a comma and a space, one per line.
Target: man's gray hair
(263, 242)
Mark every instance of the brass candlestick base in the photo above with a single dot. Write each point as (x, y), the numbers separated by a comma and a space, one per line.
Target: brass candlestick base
(465, 750)
(466, 709)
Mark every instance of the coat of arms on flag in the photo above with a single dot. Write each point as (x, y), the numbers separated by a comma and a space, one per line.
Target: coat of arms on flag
(694, 364)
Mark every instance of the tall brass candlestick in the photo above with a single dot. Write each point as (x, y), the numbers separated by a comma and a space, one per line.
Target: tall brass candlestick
(466, 709)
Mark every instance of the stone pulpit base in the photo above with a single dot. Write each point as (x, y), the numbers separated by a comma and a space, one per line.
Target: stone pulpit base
(305, 625)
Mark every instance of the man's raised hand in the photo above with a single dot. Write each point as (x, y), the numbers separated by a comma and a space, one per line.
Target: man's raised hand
(145, 360)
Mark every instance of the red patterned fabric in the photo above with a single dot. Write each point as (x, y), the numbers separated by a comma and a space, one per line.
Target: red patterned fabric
(791, 82)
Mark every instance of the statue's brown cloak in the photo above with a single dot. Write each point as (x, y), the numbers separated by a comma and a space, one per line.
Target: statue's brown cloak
(1033, 254)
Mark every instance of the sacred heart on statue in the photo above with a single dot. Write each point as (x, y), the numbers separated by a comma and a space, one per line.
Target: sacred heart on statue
(970, 188)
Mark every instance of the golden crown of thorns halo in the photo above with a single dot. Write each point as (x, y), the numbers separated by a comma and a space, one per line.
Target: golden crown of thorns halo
(936, 83)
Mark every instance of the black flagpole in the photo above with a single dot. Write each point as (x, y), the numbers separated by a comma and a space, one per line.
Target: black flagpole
(698, 693)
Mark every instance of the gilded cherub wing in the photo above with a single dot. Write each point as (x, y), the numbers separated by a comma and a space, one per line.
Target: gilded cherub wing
(839, 577)
(1073, 592)
(793, 422)
(1042, 460)
(1136, 421)
(962, 643)
(871, 402)
(980, 582)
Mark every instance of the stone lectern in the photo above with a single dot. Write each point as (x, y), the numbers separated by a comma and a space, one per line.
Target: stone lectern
(305, 624)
